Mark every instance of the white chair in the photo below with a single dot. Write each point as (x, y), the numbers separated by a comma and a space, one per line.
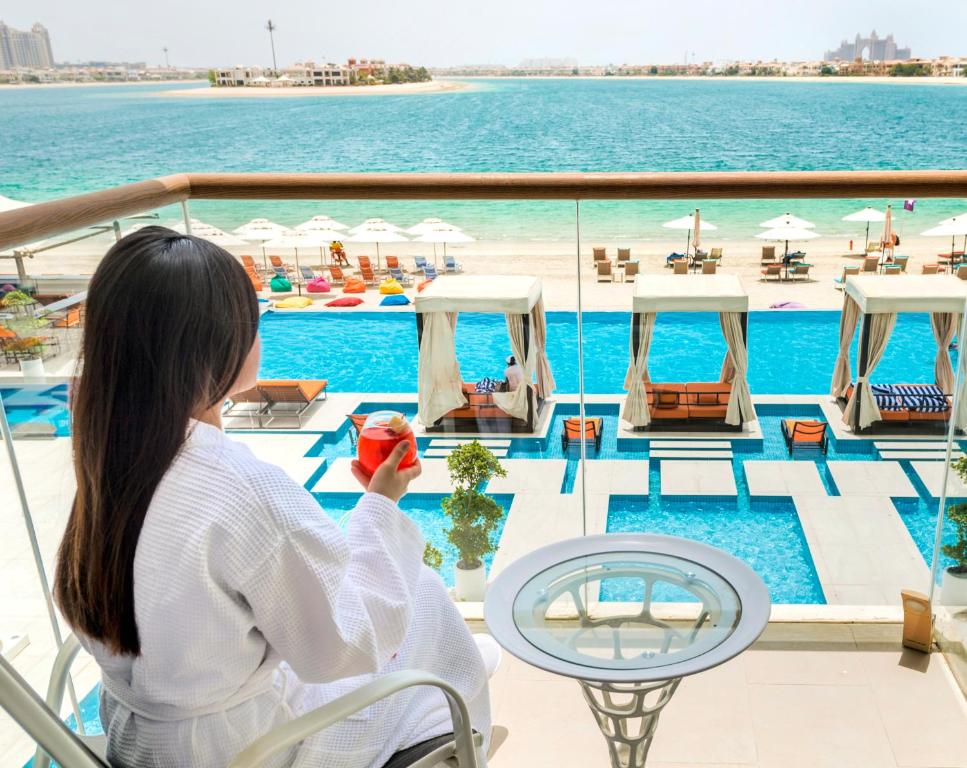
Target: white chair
(55, 740)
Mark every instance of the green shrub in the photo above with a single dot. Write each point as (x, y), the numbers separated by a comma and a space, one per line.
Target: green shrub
(474, 516)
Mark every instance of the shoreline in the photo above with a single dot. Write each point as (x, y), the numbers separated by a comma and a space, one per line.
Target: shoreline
(249, 92)
(845, 79)
(33, 86)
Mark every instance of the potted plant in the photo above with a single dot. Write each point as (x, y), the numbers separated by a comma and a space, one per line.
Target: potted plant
(474, 516)
(29, 352)
(953, 584)
(17, 302)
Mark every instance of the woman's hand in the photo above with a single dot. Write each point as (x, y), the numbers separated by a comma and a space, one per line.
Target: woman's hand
(388, 480)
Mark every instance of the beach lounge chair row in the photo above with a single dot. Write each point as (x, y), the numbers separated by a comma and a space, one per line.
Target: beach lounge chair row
(607, 274)
(273, 398)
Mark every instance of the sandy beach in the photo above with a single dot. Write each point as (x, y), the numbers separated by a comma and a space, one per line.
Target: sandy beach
(555, 263)
(395, 89)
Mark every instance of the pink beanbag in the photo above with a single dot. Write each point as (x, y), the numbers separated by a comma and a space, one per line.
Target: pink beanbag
(318, 285)
(345, 301)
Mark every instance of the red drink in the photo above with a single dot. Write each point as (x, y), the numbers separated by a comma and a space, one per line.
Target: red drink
(379, 436)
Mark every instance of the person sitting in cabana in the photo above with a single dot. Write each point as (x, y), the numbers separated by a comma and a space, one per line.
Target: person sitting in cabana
(513, 374)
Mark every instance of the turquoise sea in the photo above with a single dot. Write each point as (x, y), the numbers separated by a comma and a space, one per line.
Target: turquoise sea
(61, 141)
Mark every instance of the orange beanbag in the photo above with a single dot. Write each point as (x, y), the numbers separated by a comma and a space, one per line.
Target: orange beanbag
(354, 285)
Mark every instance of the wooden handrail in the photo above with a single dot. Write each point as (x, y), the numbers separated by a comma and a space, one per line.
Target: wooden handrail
(57, 217)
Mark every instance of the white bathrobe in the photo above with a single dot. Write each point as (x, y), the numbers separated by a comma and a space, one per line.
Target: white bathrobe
(253, 607)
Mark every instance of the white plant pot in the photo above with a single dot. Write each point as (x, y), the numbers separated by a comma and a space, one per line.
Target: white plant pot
(953, 589)
(469, 584)
(33, 369)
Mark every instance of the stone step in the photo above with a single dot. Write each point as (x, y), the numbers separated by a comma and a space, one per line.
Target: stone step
(911, 445)
(442, 453)
(918, 455)
(669, 454)
(442, 443)
(723, 445)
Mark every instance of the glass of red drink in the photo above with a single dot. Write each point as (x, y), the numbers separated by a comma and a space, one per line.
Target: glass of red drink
(379, 436)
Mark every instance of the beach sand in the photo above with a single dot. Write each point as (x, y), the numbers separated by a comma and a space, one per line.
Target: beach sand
(396, 89)
(556, 264)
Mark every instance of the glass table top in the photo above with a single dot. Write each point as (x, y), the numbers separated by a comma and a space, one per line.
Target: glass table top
(547, 608)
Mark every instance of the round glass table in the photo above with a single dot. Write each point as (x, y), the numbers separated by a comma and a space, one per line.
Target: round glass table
(585, 608)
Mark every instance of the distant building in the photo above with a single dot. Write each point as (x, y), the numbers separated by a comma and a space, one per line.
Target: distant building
(548, 66)
(875, 48)
(25, 49)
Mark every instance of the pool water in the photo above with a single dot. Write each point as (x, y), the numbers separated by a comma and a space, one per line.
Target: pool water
(790, 352)
(37, 404)
(425, 510)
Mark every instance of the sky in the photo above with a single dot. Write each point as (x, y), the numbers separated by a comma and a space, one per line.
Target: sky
(202, 33)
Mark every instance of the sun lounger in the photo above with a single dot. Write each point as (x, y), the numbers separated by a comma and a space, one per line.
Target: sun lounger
(357, 422)
(768, 255)
(871, 264)
(631, 269)
(962, 271)
(599, 254)
(593, 427)
(336, 276)
(901, 262)
(307, 274)
(605, 275)
(799, 271)
(715, 254)
(930, 269)
(366, 274)
(772, 270)
(393, 262)
(450, 265)
(397, 274)
(420, 263)
(840, 282)
(429, 272)
(802, 434)
(680, 266)
(290, 398)
(624, 254)
(709, 267)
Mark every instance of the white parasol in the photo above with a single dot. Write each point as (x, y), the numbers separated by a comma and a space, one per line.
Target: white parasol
(870, 215)
(377, 233)
(689, 223)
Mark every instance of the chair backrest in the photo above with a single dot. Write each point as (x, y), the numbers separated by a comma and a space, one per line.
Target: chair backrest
(41, 723)
(248, 261)
(429, 271)
(336, 273)
(307, 273)
(631, 268)
(358, 421)
(808, 431)
(396, 273)
(449, 261)
(681, 266)
(774, 269)
(282, 393)
(392, 262)
(276, 261)
(930, 269)
(768, 251)
(901, 262)
(801, 269)
(962, 271)
(715, 253)
(572, 426)
(624, 254)
(708, 267)
(604, 267)
(420, 261)
(280, 271)
(364, 262)
(871, 263)
(599, 254)
(367, 272)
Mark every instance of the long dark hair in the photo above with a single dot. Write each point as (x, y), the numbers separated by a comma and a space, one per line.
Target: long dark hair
(170, 321)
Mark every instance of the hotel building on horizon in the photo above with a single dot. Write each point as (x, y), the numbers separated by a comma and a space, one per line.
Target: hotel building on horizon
(25, 49)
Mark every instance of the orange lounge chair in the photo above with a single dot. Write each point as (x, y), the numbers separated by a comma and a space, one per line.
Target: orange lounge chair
(276, 261)
(71, 319)
(248, 262)
(291, 398)
(392, 262)
(358, 421)
(772, 270)
(338, 278)
(367, 274)
(255, 278)
(364, 263)
(806, 434)
(593, 427)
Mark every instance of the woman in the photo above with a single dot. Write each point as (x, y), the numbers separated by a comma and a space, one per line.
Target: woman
(513, 374)
(217, 597)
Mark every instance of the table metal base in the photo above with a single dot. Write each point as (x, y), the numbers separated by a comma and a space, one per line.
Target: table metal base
(627, 714)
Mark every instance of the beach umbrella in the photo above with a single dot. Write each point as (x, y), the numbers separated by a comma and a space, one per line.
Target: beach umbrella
(443, 233)
(370, 223)
(211, 233)
(787, 220)
(953, 228)
(952, 218)
(869, 215)
(428, 224)
(260, 231)
(296, 240)
(785, 234)
(9, 204)
(377, 233)
(321, 223)
(689, 223)
(887, 240)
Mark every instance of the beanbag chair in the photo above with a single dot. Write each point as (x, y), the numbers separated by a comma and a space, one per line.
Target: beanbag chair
(293, 302)
(280, 284)
(345, 301)
(354, 285)
(421, 286)
(318, 285)
(394, 300)
(389, 287)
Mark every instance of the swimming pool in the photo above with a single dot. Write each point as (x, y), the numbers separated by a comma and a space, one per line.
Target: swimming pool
(791, 352)
(37, 405)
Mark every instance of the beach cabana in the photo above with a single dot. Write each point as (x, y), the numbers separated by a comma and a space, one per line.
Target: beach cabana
(722, 405)
(446, 402)
(873, 303)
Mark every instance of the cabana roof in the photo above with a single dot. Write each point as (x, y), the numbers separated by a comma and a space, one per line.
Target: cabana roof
(689, 293)
(506, 294)
(876, 294)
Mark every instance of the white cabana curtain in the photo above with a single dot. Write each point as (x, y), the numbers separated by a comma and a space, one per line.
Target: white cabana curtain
(944, 325)
(881, 326)
(545, 378)
(842, 373)
(515, 403)
(636, 404)
(740, 400)
(439, 381)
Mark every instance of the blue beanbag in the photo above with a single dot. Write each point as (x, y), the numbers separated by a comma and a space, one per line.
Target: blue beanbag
(394, 300)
